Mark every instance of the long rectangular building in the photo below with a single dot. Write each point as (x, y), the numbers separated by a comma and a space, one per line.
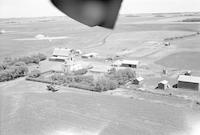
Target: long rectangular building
(189, 82)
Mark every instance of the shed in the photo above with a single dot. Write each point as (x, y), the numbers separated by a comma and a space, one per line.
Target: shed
(188, 73)
(126, 63)
(167, 43)
(189, 82)
(163, 85)
(138, 81)
(130, 63)
(89, 55)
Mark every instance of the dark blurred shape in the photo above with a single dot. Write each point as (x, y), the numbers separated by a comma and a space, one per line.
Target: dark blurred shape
(102, 13)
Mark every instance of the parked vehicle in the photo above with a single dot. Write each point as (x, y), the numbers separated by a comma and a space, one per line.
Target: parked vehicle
(52, 88)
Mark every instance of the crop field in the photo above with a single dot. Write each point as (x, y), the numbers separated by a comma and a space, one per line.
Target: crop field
(183, 60)
(27, 108)
(35, 111)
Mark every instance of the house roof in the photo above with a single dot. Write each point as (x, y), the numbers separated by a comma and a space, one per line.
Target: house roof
(61, 52)
(164, 82)
(192, 79)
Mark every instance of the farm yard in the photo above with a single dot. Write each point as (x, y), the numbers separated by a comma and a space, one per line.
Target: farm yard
(29, 108)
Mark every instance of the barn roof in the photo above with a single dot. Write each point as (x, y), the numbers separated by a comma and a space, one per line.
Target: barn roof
(120, 62)
(164, 82)
(90, 54)
(61, 52)
(132, 62)
(192, 79)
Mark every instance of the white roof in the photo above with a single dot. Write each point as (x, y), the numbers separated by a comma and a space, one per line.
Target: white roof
(164, 82)
(120, 62)
(192, 79)
(61, 52)
(140, 78)
(132, 62)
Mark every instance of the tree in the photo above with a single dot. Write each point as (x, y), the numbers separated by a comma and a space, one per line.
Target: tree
(123, 75)
(104, 84)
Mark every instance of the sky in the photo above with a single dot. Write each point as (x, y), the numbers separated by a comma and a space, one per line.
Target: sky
(38, 8)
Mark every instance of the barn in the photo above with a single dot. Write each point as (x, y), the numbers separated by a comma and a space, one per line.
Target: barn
(60, 54)
(126, 63)
(189, 82)
(130, 63)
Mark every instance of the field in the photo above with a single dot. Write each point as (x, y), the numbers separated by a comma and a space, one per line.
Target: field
(36, 111)
(28, 108)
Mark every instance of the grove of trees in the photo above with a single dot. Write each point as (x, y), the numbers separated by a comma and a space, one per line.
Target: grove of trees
(12, 68)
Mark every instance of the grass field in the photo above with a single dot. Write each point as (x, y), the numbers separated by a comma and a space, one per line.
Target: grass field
(183, 60)
(35, 111)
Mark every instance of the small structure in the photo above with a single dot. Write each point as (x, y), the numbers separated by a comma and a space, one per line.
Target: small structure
(164, 71)
(126, 63)
(163, 85)
(89, 55)
(189, 82)
(138, 81)
(78, 52)
(60, 54)
(52, 88)
(167, 43)
(188, 73)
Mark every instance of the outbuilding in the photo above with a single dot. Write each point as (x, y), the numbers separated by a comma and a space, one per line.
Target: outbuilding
(60, 54)
(89, 55)
(163, 85)
(126, 63)
(138, 81)
(167, 43)
(189, 82)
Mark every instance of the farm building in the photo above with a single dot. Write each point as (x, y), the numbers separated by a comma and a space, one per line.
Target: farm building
(188, 82)
(163, 85)
(188, 73)
(138, 81)
(167, 43)
(126, 63)
(89, 55)
(60, 54)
